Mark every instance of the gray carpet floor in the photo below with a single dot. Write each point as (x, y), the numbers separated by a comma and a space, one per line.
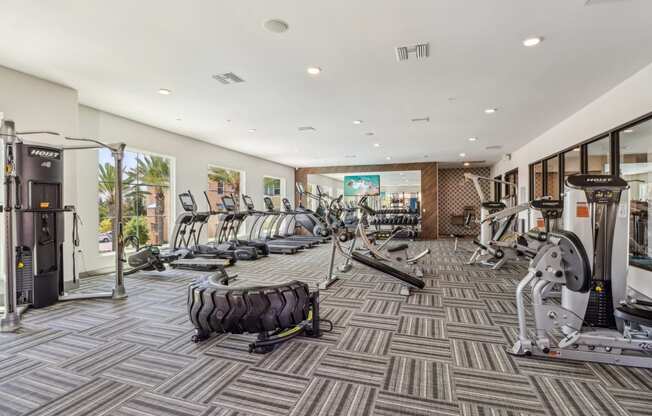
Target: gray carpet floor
(440, 351)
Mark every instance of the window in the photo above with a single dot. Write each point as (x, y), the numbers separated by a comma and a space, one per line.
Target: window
(225, 182)
(597, 156)
(272, 189)
(537, 180)
(572, 162)
(145, 199)
(497, 188)
(511, 191)
(552, 177)
(636, 169)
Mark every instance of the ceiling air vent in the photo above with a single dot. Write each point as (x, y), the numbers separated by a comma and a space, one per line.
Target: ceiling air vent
(306, 128)
(421, 120)
(420, 51)
(494, 147)
(228, 78)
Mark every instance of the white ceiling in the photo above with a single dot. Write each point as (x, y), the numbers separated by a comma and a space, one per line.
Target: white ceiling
(118, 53)
(387, 179)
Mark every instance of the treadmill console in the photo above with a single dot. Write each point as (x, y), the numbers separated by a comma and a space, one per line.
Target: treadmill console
(287, 205)
(229, 203)
(599, 189)
(249, 203)
(188, 202)
(269, 205)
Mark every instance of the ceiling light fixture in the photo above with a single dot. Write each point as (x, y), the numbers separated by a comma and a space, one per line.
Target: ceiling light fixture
(251, 130)
(628, 131)
(490, 110)
(462, 154)
(388, 158)
(357, 121)
(472, 139)
(164, 91)
(530, 42)
(178, 118)
(276, 26)
(376, 144)
(467, 164)
(369, 133)
(314, 70)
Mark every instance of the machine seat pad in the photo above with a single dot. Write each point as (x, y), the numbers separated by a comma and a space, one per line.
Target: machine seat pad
(636, 314)
(397, 247)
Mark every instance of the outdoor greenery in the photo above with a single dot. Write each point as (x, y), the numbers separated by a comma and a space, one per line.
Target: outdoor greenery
(229, 178)
(137, 227)
(150, 177)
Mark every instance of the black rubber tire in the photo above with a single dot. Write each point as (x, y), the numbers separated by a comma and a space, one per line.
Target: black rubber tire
(216, 308)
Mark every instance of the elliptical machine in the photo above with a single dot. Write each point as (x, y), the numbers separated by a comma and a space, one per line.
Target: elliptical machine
(597, 319)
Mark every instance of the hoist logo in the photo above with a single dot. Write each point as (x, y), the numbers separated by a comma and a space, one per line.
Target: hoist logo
(595, 179)
(44, 153)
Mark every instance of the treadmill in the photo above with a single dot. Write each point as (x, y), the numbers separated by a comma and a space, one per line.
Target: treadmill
(276, 220)
(255, 232)
(231, 223)
(290, 221)
(215, 250)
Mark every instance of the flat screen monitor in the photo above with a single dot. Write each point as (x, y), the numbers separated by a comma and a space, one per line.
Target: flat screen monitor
(356, 185)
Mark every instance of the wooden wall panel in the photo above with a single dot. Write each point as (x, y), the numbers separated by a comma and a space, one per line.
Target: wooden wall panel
(429, 192)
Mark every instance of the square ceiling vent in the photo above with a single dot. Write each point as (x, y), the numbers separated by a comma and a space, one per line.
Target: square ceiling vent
(419, 51)
(228, 78)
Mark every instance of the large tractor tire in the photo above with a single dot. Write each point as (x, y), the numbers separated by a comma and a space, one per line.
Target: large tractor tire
(222, 309)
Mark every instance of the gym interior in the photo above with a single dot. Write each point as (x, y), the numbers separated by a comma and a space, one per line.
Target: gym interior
(284, 208)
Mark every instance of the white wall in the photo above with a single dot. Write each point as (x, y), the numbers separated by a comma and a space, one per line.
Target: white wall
(627, 101)
(191, 159)
(35, 104)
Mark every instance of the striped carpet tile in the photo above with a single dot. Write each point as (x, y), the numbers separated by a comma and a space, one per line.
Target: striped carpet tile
(159, 312)
(11, 366)
(183, 345)
(333, 302)
(114, 328)
(353, 367)
(501, 306)
(540, 366)
(201, 381)
(454, 278)
(502, 319)
(350, 293)
(383, 307)
(392, 404)
(297, 358)
(27, 338)
(325, 397)
(575, 398)
(345, 281)
(472, 409)
(483, 356)
(387, 287)
(468, 316)
(153, 334)
(263, 392)
(28, 392)
(637, 403)
(422, 310)
(95, 398)
(500, 390)
(460, 293)
(423, 348)
(148, 368)
(482, 333)
(152, 404)
(463, 303)
(419, 378)
(490, 287)
(234, 348)
(369, 320)
(614, 376)
(339, 317)
(388, 296)
(366, 340)
(421, 327)
(62, 348)
(424, 299)
(99, 359)
(81, 321)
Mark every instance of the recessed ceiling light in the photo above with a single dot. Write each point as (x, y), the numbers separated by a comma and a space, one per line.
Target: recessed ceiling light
(529, 42)
(178, 118)
(376, 144)
(314, 70)
(628, 131)
(462, 154)
(472, 139)
(276, 26)
(467, 164)
(388, 158)
(164, 91)
(369, 133)
(251, 130)
(357, 121)
(490, 110)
